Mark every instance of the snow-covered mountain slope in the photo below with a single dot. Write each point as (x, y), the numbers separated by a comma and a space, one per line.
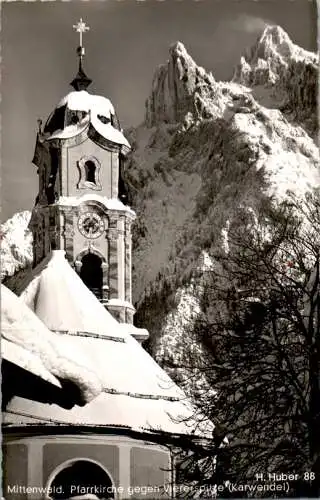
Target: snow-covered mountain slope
(205, 149)
(16, 245)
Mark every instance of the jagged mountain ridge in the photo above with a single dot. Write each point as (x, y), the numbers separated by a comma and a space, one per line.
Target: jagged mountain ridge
(205, 149)
(278, 70)
(269, 58)
(229, 128)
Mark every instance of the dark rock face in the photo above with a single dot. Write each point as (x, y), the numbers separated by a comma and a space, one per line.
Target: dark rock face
(178, 88)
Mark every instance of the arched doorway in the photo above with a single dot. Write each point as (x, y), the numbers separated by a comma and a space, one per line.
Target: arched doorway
(81, 478)
(91, 273)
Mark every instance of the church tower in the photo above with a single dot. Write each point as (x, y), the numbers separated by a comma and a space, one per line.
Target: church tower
(81, 204)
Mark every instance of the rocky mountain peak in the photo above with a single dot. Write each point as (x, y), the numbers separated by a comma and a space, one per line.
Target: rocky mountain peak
(282, 75)
(179, 87)
(177, 49)
(269, 59)
(274, 41)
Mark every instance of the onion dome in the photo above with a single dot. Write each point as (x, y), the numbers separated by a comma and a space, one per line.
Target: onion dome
(80, 112)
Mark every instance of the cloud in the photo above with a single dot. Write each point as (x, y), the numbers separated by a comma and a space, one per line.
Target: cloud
(251, 24)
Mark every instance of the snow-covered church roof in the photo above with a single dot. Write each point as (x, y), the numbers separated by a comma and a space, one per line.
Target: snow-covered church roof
(79, 111)
(29, 344)
(135, 392)
(58, 296)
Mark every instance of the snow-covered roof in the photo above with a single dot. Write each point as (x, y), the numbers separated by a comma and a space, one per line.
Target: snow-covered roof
(135, 392)
(29, 344)
(60, 299)
(119, 411)
(83, 101)
(79, 110)
(19, 356)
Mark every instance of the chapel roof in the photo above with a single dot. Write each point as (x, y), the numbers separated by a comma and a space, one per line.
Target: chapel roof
(27, 343)
(58, 296)
(135, 392)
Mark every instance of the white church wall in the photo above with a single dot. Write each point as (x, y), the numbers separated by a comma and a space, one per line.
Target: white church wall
(136, 468)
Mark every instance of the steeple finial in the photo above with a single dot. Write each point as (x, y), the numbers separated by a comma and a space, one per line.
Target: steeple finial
(81, 81)
(81, 28)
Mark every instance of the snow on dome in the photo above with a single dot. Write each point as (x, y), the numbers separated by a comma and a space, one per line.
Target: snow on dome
(83, 101)
(108, 131)
(77, 110)
(46, 354)
(70, 130)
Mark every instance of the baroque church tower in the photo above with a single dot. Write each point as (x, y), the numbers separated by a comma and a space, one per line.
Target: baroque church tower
(81, 204)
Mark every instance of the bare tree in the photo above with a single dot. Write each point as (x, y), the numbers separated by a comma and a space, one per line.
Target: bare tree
(261, 339)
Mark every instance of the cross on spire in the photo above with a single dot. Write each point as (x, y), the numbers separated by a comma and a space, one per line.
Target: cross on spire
(81, 81)
(81, 28)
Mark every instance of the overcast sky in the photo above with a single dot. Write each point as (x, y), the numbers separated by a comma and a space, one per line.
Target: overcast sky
(127, 40)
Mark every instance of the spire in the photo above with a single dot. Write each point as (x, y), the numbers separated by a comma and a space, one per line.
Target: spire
(81, 81)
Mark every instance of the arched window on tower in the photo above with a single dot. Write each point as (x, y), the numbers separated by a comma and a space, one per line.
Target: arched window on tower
(90, 170)
(91, 273)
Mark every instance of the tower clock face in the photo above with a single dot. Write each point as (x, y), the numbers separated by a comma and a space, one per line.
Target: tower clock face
(91, 225)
